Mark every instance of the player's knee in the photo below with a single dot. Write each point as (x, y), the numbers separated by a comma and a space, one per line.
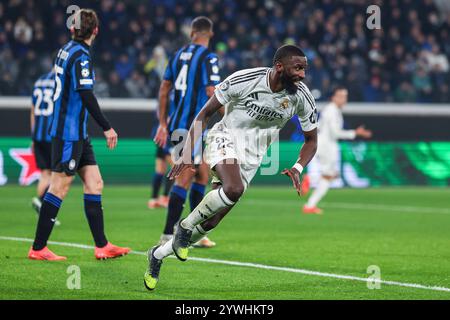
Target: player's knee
(60, 190)
(234, 192)
(94, 187)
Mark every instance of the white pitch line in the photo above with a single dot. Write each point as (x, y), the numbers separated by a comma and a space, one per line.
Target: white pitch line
(259, 266)
(331, 205)
(357, 206)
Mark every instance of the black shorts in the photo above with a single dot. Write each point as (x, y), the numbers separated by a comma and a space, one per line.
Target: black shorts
(70, 156)
(43, 154)
(162, 153)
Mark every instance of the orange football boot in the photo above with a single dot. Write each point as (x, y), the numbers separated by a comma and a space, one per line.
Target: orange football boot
(44, 254)
(305, 184)
(312, 210)
(110, 251)
(153, 204)
(163, 201)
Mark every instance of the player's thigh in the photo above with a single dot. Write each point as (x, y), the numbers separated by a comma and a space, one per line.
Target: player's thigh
(92, 179)
(229, 173)
(328, 166)
(60, 184)
(46, 175)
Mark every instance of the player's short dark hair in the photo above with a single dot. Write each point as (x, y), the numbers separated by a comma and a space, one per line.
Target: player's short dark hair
(336, 89)
(201, 24)
(84, 24)
(287, 50)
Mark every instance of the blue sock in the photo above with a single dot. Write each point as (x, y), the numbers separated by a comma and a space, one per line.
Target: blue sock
(176, 205)
(157, 181)
(94, 214)
(196, 195)
(47, 216)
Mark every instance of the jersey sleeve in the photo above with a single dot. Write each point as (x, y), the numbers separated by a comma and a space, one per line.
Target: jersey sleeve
(306, 109)
(229, 90)
(34, 96)
(335, 123)
(210, 72)
(82, 73)
(168, 74)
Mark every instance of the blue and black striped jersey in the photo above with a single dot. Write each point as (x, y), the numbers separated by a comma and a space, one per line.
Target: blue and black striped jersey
(42, 100)
(74, 72)
(191, 70)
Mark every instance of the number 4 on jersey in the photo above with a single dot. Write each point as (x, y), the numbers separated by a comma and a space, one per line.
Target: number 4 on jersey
(181, 82)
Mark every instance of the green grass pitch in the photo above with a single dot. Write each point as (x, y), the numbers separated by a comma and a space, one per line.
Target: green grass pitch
(403, 231)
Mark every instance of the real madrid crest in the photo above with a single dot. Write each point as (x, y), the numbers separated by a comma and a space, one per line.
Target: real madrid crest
(224, 86)
(284, 104)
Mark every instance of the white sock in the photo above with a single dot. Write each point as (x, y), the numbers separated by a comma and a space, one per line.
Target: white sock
(166, 249)
(320, 191)
(212, 203)
(198, 233)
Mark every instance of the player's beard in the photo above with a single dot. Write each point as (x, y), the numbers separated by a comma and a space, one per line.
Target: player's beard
(289, 84)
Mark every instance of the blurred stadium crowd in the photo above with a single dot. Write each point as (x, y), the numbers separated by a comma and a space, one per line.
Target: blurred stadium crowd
(407, 60)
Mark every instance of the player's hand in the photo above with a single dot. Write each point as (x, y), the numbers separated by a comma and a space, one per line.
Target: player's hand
(296, 179)
(161, 136)
(111, 138)
(361, 131)
(180, 165)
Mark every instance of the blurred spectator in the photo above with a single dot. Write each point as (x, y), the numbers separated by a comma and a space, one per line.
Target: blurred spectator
(372, 91)
(157, 63)
(405, 93)
(422, 84)
(124, 67)
(101, 88)
(136, 86)
(405, 61)
(116, 88)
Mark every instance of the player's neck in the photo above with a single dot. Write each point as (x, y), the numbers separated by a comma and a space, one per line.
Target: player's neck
(275, 81)
(201, 41)
(88, 42)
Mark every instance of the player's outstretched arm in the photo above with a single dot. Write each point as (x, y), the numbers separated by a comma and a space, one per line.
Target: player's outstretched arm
(91, 103)
(307, 152)
(195, 132)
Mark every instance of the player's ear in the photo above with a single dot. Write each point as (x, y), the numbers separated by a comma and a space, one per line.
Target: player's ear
(95, 32)
(279, 66)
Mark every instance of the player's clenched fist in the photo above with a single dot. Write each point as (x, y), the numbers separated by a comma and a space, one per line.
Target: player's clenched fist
(111, 138)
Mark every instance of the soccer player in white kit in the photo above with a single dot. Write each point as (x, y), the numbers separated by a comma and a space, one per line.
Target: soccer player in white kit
(330, 131)
(258, 103)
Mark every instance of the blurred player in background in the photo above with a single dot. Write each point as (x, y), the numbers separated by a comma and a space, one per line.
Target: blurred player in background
(40, 122)
(192, 72)
(72, 151)
(259, 102)
(330, 131)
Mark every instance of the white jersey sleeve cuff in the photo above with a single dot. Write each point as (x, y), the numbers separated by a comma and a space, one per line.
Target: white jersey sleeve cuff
(220, 97)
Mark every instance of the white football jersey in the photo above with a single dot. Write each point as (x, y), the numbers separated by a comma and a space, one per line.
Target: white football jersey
(330, 129)
(254, 114)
